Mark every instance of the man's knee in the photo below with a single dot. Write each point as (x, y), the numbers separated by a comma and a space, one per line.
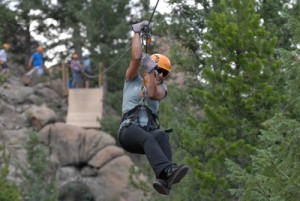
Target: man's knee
(160, 134)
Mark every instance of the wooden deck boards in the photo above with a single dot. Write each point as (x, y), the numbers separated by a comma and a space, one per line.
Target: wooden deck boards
(85, 107)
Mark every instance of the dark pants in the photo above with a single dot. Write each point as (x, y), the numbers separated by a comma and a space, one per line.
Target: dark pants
(154, 144)
(4, 66)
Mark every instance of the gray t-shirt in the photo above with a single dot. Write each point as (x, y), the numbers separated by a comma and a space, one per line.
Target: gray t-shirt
(132, 97)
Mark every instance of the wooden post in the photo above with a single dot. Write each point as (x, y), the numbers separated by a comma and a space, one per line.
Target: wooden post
(67, 76)
(100, 82)
(64, 80)
(65, 73)
(103, 79)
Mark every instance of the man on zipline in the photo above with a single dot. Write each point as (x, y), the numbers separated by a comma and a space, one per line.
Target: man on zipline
(139, 130)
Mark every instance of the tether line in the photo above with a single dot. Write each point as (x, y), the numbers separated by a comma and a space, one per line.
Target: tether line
(147, 35)
(153, 12)
(128, 48)
(107, 69)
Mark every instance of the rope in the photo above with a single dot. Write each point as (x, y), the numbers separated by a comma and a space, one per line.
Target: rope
(88, 75)
(107, 69)
(128, 48)
(147, 37)
(153, 12)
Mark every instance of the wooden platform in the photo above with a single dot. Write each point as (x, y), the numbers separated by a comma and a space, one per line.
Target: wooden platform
(85, 107)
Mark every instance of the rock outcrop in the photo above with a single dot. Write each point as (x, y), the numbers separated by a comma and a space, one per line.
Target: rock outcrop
(90, 157)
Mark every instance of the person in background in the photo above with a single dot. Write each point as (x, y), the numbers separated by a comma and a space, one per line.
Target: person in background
(3, 59)
(139, 129)
(87, 70)
(76, 70)
(36, 62)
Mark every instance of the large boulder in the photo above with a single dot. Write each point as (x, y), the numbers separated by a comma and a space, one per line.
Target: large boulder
(40, 116)
(15, 95)
(72, 145)
(84, 158)
(89, 157)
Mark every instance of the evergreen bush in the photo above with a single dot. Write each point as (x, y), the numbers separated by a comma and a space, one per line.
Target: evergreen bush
(8, 191)
(38, 180)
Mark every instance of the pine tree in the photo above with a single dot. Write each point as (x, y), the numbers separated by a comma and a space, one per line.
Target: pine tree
(274, 175)
(237, 93)
(291, 63)
(38, 182)
(275, 172)
(271, 13)
(7, 22)
(8, 191)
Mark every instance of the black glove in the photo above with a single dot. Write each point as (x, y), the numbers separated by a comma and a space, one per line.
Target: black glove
(148, 63)
(141, 26)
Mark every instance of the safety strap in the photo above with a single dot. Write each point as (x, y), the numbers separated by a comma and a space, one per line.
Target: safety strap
(146, 38)
(143, 88)
(133, 115)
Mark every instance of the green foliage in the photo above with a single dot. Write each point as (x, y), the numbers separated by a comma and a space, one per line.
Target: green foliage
(184, 29)
(114, 100)
(276, 164)
(110, 124)
(3, 78)
(269, 11)
(8, 191)
(291, 62)
(7, 23)
(233, 90)
(137, 183)
(274, 175)
(38, 180)
(75, 191)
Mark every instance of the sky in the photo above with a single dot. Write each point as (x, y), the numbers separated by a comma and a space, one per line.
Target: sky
(162, 7)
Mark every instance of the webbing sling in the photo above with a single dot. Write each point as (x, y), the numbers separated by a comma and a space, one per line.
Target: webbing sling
(133, 115)
(147, 36)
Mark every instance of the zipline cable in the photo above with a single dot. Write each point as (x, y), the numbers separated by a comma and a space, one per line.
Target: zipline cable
(147, 35)
(153, 12)
(128, 48)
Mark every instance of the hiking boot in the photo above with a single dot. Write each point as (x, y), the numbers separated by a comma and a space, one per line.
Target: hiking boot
(161, 187)
(173, 173)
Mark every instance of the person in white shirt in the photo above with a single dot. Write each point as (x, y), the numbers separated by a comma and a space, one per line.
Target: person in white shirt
(3, 58)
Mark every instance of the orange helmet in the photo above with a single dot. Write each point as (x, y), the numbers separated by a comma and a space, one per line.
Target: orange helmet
(39, 49)
(162, 61)
(6, 46)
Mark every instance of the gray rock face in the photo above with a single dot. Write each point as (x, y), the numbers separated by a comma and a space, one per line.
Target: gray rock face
(90, 157)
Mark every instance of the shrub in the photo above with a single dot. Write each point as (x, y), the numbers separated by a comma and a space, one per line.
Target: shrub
(8, 191)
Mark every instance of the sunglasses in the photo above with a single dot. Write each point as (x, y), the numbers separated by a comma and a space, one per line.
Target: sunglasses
(163, 71)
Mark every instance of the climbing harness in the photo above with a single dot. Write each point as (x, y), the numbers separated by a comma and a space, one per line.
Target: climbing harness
(133, 116)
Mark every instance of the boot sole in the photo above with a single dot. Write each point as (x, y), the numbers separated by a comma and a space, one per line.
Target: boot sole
(161, 188)
(178, 175)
